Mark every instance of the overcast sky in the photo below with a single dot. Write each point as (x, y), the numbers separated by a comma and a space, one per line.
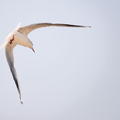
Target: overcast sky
(75, 73)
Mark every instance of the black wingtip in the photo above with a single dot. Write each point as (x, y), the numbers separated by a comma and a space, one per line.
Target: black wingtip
(86, 26)
(81, 26)
(89, 26)
(21, 101)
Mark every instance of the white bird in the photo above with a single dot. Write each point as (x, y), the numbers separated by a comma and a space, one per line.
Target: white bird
(20, 37)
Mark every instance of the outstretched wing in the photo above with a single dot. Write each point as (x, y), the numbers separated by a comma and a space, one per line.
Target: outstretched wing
(10, 60)
(27, 29)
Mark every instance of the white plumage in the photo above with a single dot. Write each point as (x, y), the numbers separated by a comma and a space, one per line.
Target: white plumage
(19, 37)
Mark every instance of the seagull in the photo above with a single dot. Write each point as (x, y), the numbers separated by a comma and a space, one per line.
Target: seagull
(19, 36)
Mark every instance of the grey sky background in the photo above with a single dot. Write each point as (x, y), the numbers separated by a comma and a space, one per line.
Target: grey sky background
(75, 73)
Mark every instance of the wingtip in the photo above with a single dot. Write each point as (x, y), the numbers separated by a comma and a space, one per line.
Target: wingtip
(21, 101)
(85, 26)
(88, 26)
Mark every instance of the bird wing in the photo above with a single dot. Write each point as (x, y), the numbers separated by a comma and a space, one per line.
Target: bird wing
(27, 29)
(10, 60)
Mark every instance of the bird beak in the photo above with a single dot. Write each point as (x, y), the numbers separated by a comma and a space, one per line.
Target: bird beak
(33, 50)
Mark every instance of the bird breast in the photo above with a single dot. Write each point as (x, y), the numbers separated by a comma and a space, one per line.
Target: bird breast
(22, 39)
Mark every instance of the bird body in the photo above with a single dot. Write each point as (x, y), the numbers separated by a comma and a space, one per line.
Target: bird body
(19, 36)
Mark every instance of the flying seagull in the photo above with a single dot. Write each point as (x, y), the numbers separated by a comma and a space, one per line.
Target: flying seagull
(19, 36)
